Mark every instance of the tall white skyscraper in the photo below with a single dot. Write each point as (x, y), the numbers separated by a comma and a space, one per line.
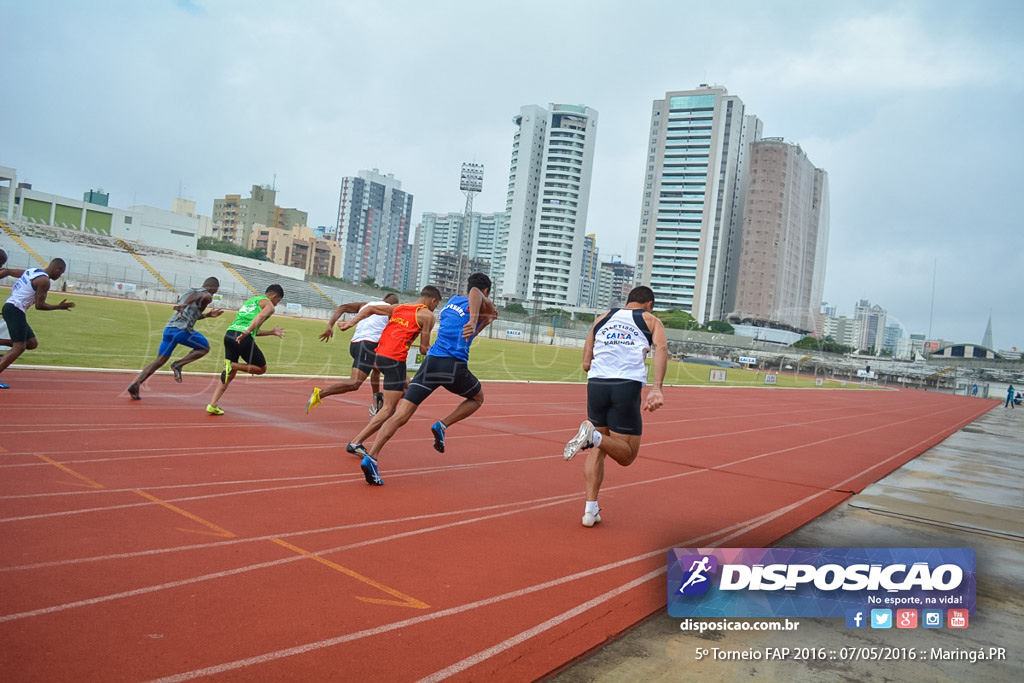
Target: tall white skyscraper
(548, 192)
(692, 206)
(374, 228)
(438, 235)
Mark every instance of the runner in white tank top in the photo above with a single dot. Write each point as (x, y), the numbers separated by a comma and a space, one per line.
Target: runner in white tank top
(362, 349)
(614, 357)
(29, 290)
(621, 342)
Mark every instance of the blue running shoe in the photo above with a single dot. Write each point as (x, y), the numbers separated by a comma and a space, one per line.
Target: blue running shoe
(438, 429)
(3, 386)
(370, 471)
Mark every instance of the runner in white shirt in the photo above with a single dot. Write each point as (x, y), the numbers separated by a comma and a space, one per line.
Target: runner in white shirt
(613, 357)
(363, 349)
(29, 290)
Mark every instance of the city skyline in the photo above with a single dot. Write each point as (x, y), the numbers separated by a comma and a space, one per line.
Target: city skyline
(910, 108)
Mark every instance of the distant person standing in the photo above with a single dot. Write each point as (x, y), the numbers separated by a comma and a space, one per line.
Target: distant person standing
(240, 351)
(180, 329)
(362, 348)
(613, 357)
(30, 289)
(1009, 397)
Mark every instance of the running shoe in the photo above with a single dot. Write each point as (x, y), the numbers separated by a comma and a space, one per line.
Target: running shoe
(133, 391)
(583, 440)
(590, 520)
(357, 449)
(3, 386)
(370, 471)
(378, 403)
(226, 373)
(214, 410)
(177, 372)
(314, 400)
(438, 430)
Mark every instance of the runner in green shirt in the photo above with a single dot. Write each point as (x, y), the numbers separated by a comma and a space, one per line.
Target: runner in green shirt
(240, 351)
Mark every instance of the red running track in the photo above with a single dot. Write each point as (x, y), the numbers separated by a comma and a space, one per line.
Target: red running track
(150, 541)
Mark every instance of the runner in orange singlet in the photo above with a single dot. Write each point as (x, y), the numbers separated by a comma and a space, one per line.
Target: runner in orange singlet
(405, 322)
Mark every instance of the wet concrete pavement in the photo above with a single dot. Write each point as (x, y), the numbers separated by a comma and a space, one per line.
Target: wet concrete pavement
(966, 492)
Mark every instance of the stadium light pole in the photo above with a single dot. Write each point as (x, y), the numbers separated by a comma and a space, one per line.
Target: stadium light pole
(471, 182)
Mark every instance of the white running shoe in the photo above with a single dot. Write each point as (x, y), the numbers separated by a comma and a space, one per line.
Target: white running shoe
(583, 440)
(590, 520)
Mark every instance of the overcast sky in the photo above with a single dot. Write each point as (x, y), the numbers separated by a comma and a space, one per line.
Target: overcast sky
(915, 109)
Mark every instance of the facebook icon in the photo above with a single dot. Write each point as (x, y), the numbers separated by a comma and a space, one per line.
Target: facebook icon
(855, 618)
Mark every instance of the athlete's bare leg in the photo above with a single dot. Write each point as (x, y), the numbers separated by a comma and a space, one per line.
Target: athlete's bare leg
(391, 399)
(354, 381)
(464, 409)
(622, 448)
(401, 415)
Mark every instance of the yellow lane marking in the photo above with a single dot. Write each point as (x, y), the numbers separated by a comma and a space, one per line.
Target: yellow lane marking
(86, 481)
(215, 530)
(403, 599)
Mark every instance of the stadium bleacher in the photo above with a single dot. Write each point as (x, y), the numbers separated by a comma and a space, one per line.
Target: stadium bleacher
(96, 264)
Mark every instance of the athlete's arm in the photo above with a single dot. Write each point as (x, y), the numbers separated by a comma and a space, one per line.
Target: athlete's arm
(352, 307)
(10, 272)
(378, 309)
(193, 297)
(205, 300)
(266, 310)
(42, 287)
(481, 314)
(588, 349)
(425, 318)
(659, 346)
(588, 346)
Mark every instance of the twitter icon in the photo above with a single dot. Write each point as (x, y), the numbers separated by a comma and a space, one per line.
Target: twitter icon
(881, 618)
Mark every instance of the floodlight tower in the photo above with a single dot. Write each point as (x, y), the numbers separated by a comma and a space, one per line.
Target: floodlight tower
(471, 183)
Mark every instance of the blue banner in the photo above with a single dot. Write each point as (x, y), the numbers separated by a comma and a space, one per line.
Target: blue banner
(820, 582)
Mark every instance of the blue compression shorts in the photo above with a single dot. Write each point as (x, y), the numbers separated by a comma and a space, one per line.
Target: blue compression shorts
(173, 336)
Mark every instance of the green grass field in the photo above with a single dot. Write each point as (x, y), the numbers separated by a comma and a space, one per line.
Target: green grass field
(120, 334)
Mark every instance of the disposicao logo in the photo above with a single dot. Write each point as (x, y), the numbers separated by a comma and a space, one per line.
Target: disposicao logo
(819, 582)
(697, 581)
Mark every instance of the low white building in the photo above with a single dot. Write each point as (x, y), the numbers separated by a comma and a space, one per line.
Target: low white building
(138, 224)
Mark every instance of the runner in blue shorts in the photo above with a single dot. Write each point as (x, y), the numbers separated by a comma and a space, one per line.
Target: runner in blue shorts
(180, 330)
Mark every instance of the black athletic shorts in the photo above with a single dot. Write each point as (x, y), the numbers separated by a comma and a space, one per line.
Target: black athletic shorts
(615, 404)
(364, 355)
(17, 324)
(393, 372)
(244, 352)
(440, 371)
